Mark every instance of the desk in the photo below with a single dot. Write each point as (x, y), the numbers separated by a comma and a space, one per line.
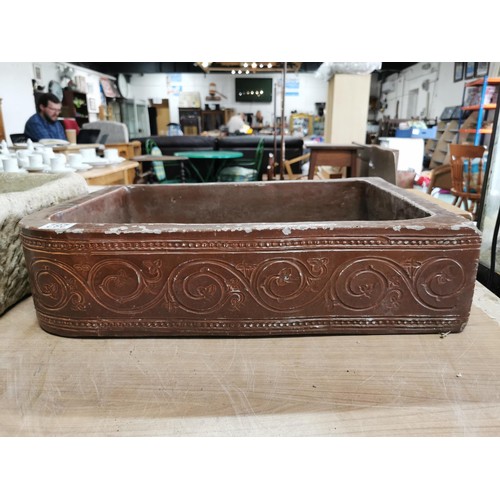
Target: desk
(353, 385)
(334, 155)
(212, 157)
(120, 173)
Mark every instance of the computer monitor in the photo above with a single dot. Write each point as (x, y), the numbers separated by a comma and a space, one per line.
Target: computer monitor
(88, 136)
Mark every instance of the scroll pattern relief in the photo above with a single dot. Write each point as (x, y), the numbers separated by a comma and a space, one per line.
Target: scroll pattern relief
(282, 285)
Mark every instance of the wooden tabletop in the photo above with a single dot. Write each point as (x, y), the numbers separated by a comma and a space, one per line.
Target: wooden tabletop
(442, 203)
(117, 173)
(353, 385)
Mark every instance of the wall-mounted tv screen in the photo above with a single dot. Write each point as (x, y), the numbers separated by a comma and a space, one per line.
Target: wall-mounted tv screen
(254, 89)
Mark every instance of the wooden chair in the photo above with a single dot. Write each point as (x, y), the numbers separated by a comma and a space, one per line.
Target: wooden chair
(467, 171)
(288, 166)
(440, 178)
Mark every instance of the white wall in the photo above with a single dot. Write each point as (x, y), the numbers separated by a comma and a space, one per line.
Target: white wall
(311, 90)
(18, 103)
(442, 90)
(16, 90)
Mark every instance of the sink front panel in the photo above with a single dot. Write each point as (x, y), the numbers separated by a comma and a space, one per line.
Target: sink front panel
(251, 259)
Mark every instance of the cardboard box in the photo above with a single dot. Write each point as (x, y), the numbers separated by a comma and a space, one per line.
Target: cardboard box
(417, 133)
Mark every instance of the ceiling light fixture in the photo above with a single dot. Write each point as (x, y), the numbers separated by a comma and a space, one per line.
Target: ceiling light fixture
(246, 67)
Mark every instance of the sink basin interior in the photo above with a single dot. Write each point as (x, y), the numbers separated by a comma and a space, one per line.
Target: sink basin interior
(243, 204)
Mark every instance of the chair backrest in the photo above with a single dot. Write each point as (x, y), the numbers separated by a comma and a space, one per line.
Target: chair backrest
(117, 132)
(383, 163)
(259, 153)
(158, 166)
(468, 164)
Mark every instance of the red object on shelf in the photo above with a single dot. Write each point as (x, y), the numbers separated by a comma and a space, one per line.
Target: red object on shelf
(71, 124)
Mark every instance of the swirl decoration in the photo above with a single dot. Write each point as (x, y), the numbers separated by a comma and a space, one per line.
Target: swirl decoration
(205, 287)
(277, 284)
(123, 286)
(281, 285)
(439, 282)
(56, 286)
(116, 284)
(372, 282)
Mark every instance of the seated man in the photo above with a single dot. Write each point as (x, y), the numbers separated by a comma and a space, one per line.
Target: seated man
(44, 124)
(236, 124)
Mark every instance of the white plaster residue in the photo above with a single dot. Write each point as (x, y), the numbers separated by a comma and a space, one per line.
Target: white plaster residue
(116, 230)
(416, 228)
(465, 225)
(396, 228)
(144, 229)
(76, 230)
(58, 227)
(286, 231)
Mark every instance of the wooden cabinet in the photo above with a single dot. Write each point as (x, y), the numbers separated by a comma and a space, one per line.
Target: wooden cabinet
(161, 116)
(127, 150)
(190, 120)
(212, 119)
(74, 105)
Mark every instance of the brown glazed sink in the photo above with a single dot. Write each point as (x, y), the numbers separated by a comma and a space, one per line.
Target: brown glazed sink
(250, 259)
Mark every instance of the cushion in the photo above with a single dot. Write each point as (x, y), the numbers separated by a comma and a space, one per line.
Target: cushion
(237, 174)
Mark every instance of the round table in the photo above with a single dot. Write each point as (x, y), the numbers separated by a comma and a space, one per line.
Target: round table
(213, 157)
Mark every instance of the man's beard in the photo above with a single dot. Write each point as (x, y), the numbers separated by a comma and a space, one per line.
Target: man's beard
(49, 119)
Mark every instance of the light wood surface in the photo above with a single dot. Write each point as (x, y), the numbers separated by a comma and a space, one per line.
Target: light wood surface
(443, 204)
(120, 173)
(355, 385)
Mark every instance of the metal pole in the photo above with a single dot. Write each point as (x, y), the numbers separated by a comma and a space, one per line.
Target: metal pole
(282, 159)
(274, 127)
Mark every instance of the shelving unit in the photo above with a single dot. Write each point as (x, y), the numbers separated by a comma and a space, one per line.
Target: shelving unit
(135, 115)
(437, 148)
(479, 97)
(74, 105)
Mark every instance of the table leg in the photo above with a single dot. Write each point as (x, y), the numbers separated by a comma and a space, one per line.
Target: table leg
(183, 173)
(210, 171)
(195, 170)
(221, 166)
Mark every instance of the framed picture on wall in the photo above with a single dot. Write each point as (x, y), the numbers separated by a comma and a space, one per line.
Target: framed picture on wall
(470, 68)
(482, 68)
(37, 72)
(459, 72)
(92, 105)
